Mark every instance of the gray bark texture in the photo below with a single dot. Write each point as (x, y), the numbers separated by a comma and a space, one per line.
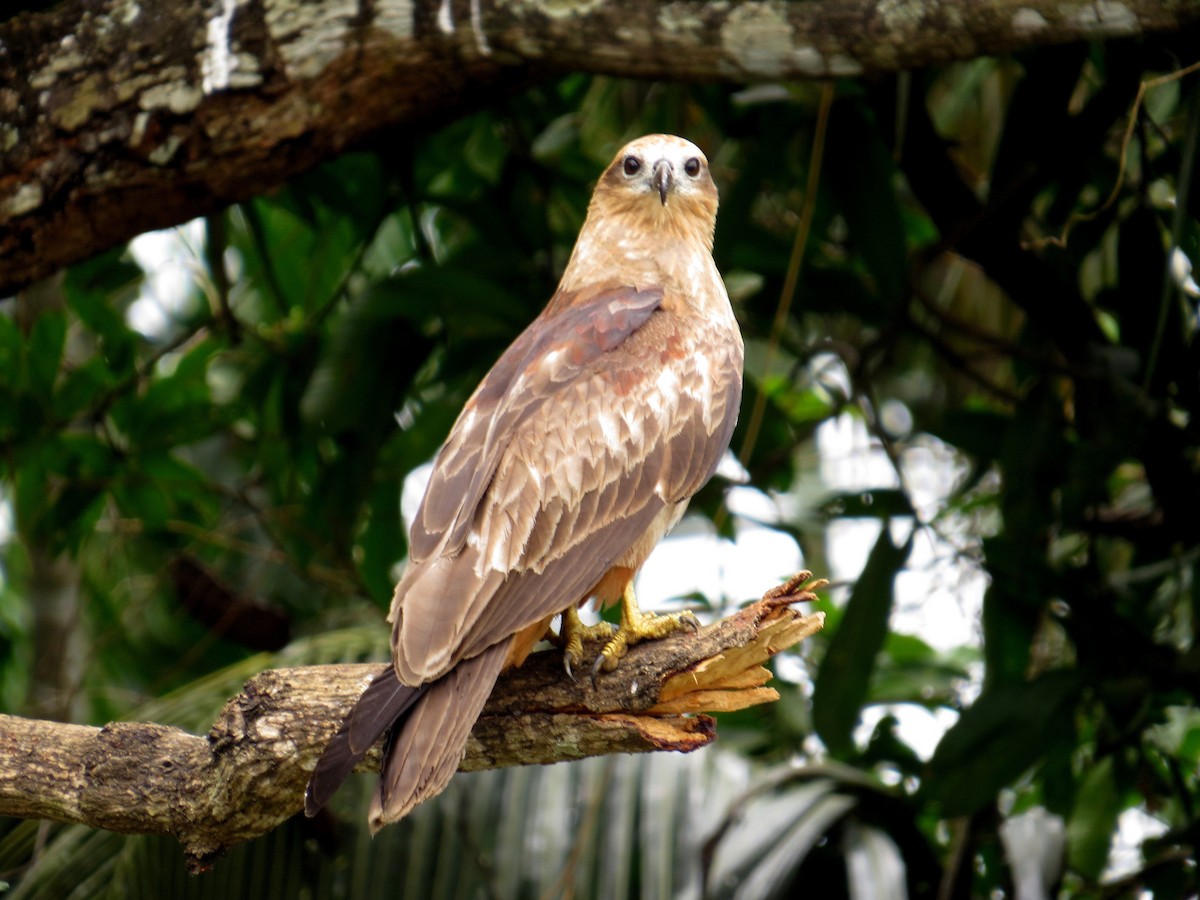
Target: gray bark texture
(248, 774)
(121, 116)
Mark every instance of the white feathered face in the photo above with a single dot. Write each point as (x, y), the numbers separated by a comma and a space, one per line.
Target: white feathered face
(665, 169)
(651, 219)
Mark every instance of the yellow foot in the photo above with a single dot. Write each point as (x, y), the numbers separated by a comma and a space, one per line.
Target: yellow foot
(638, 626)
(573, 633)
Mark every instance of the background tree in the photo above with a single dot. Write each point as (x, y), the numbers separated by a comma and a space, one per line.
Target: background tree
(983, 262)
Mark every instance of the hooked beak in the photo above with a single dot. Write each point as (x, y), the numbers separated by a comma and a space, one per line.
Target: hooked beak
(663, 179)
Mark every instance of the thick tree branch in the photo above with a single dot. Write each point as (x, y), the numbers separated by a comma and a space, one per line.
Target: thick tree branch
(248, 774)
(118, 117)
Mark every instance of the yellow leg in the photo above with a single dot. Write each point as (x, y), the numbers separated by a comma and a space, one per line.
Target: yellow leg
(571, 635)
(639, 626)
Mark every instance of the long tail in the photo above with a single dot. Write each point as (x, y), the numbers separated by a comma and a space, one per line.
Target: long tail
(382, 704)
(424, 750)
(427, 729)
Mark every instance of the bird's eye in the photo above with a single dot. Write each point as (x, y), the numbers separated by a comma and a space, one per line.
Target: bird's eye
(632, 165)
(692, 167)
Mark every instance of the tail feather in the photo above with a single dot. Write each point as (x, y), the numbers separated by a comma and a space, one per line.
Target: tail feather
(424, 749)
(379, 708)
(383, 702)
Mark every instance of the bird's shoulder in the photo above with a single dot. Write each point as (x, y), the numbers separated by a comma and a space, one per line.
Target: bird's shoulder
(570, 338)
(657, 410)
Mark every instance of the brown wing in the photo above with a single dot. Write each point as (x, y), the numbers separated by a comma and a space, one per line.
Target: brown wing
(546, 352)
(619, 408)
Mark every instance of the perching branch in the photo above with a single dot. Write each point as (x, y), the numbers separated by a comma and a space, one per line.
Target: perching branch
(117, 118)
(248, 774)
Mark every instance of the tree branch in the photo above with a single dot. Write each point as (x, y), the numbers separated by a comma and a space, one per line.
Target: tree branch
(115, 119)
(248, 774)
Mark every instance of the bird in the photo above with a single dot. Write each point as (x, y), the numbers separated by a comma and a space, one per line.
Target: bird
(575, 455)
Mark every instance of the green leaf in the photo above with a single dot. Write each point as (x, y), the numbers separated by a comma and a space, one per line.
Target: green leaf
(1010, 608)
(381, 542)
(928, 683)
(285, 229)
(59, 490)
(73, 515)
(366, 368)
(100, 279)
(349, 190)
(1005, 732)
(44, 353)
(90, 295)
(845, 672)
(170, 411)
(29, 495)
(186, 490)
(1093, 820)
(1178, 735)
(10, 349)
(10, 376)
(862, 175)
(979, 432)
(802, 407)
(81, 388)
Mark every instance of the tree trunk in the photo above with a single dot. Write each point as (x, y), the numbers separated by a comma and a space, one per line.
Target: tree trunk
(118, 117)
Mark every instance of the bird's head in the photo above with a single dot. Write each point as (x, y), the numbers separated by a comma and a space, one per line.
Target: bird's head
(659, 181)
(651, 219)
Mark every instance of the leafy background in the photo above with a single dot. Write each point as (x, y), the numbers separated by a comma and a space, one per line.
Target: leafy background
(982, 265)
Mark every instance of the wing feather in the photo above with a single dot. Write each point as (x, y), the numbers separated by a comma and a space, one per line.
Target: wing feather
(571, 575)
(601, 428)
(718, 404)
(554, 347)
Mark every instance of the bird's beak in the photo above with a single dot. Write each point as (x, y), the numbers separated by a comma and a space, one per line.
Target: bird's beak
(663, 179)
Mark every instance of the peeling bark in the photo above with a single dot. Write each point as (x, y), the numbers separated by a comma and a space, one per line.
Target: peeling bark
(248, 774)
(117, 117)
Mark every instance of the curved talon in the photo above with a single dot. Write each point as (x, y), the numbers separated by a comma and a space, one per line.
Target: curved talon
(637, 626)
(573, 633)
(596, 670)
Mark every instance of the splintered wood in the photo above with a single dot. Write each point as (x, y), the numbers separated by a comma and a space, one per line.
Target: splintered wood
(735, 678)
(657, 697)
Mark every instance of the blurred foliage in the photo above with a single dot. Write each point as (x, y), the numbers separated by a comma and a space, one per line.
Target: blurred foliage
(187, 499)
